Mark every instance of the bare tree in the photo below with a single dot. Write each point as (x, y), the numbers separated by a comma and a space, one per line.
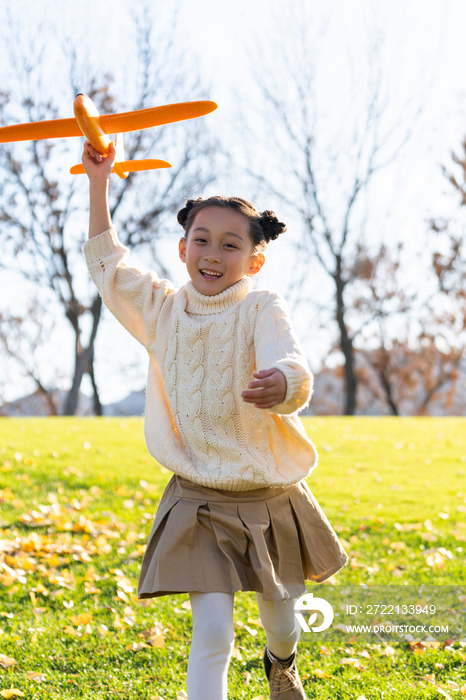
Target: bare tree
(411, 348)
(21, 338)
(321, 170)
(41, 205)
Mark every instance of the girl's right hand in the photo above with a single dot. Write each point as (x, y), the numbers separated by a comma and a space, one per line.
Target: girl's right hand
(97, 166)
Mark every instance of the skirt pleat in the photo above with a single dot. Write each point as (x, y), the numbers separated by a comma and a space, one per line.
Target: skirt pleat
(268, 540)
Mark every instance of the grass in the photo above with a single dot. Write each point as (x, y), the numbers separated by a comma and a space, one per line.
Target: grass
(77, 500)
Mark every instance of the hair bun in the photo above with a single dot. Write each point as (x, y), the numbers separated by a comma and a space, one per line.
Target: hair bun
(184, 213)
(271, 226)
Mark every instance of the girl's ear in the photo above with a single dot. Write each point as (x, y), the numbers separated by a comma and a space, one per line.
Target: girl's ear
(182, 249)
(256, 264)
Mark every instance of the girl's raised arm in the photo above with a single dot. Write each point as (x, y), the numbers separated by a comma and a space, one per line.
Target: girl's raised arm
(98, 170)
(134, 298)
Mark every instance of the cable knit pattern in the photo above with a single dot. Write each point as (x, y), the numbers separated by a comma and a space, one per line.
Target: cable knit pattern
(203, 351)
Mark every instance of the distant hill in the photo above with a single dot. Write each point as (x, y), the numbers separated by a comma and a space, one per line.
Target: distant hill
(37, 404)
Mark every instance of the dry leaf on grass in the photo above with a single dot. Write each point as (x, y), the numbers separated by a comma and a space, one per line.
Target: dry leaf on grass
(247, 677)
(356, 663)
(341, 627)
(82, 619)
(452, 685)
(252, 621)
(318, 673)
(157, 640)
(35, 676)
(137, 646)
(430, 678)
(365, 653)
(6, 661)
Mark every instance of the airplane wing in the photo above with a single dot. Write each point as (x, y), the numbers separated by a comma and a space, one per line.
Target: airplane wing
(32, 131)
(109, 123)
(154, 116)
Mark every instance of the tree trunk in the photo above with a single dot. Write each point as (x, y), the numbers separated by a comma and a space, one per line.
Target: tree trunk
(346, 343)
(97, 405)
(387, 387)
(84, 358)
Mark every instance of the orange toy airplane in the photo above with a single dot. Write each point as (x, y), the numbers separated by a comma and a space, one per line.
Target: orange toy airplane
(95, 127)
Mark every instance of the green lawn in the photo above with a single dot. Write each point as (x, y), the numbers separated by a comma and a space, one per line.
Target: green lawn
(77, 500)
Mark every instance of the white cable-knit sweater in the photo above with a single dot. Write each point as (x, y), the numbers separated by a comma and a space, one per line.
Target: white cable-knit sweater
(203, 351)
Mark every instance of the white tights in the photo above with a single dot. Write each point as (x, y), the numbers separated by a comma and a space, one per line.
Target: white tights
(213, 639)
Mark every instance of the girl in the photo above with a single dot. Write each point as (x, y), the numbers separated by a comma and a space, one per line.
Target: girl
(226, 380)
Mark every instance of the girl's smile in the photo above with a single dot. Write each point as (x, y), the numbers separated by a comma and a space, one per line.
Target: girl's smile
(218, 250)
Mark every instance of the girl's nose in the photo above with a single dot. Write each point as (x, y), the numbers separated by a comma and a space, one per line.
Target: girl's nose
(212, 257)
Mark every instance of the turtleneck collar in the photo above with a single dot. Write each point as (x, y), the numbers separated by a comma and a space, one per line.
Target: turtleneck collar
(201, 304)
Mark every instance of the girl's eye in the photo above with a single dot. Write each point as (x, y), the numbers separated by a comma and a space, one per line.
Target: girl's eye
(200, 240)
(231, 245)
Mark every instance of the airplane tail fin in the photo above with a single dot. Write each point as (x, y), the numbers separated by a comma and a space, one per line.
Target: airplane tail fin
(128, 166)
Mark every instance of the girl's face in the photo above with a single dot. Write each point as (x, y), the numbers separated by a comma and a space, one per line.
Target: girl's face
(218, 250)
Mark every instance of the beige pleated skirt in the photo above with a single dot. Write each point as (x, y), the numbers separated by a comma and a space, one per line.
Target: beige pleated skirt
(269, 540)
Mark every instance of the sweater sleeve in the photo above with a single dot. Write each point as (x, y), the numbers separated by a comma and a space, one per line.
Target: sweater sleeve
(134, 298)
(276, 345)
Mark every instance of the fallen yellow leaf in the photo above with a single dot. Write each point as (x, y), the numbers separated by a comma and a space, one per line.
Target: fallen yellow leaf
(82, 619)
(436, 560)
(42, 589)
(452, 685)
(430, 678)
(318, 673)
(353, 662)
(252, 621)
(157, 640)
(137, 646)
(35, 676)
(11, 693)
(6, 661)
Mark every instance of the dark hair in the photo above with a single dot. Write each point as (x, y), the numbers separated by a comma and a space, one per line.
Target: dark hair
(263, 226)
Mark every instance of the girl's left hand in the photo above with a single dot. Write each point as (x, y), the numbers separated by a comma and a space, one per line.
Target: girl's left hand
(268, 390)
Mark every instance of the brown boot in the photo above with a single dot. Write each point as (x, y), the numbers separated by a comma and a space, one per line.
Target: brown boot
(284, 682)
